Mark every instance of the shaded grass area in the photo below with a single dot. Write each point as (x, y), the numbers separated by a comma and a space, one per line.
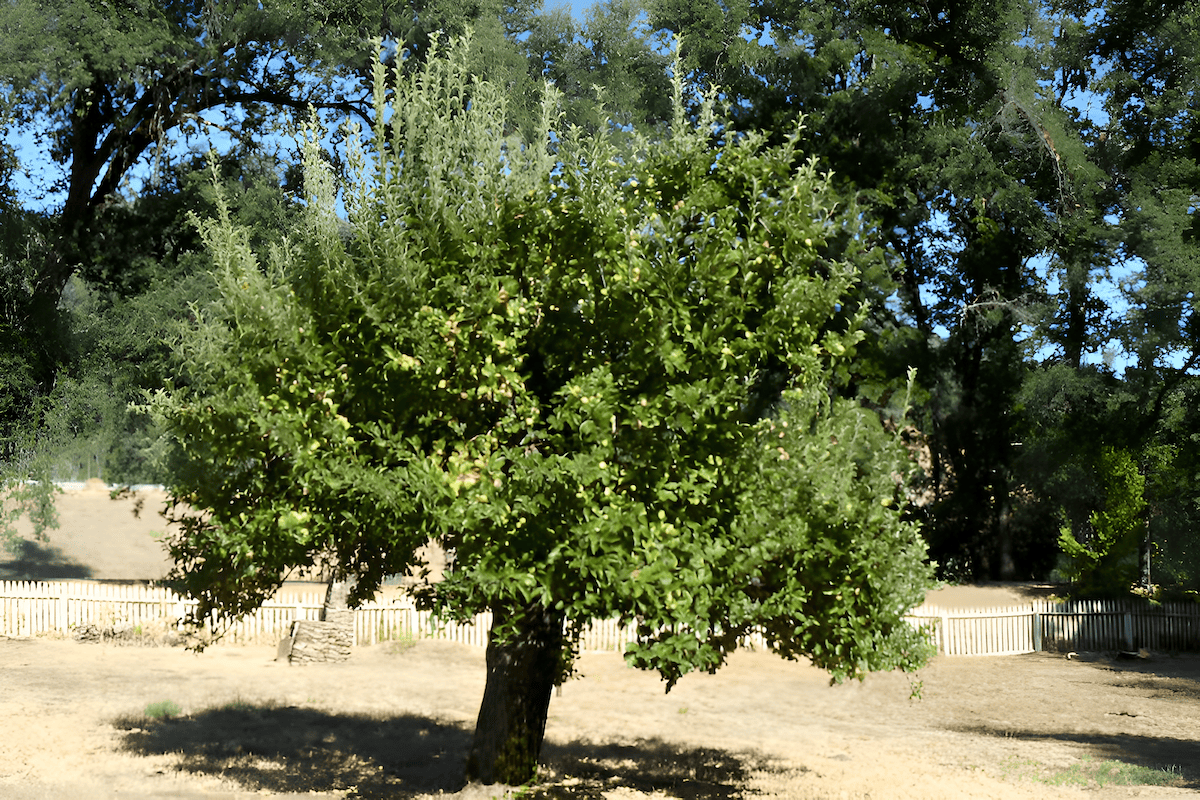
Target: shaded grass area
(261, 746)
(40, 561)
(1115, 759)
(1092, 774)
(296, 749)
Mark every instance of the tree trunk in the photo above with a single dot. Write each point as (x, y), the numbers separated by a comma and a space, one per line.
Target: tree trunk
(521, 672)
(1004, 536)
(1144, 551)
(337, 598)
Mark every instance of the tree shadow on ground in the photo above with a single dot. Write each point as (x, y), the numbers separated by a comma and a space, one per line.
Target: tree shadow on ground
(1177, 756)
(295, 749)
(1183, 667)
(652, 766)
(41, 561)
(1177, 673)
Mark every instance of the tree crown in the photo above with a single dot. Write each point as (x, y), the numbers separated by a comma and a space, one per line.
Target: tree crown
(574, 365)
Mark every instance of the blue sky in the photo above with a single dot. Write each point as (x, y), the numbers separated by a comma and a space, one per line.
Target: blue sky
(578, 7)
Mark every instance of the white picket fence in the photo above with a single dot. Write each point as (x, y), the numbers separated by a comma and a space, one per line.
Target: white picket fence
(36, 608)
(39, 608)
(1046, 625)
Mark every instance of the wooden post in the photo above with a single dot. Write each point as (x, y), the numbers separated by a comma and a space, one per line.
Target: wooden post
(60, 604)
(1128, 632)
(1037, 627)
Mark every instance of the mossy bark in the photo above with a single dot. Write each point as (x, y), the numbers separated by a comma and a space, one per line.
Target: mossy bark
(521, 672)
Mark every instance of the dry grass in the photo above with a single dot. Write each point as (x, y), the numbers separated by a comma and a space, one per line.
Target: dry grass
(290, 749)
(395, 721)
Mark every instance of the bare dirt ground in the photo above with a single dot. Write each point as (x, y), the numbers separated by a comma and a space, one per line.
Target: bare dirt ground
(395, 721)
(97, 538)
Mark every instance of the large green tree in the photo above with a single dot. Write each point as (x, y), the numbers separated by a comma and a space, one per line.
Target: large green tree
(599, 377)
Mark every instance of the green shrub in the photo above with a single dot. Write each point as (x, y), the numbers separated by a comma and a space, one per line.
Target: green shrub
(163, 709)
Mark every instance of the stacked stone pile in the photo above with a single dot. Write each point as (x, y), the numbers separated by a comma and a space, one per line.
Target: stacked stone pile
(87, 632)
(329, 639)
(125, 632)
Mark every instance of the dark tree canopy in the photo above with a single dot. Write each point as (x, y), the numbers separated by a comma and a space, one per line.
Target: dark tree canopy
(1017, 157)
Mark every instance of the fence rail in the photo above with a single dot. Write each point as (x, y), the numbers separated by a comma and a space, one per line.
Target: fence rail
(38, 608)
(1045, 625)
(33, 608)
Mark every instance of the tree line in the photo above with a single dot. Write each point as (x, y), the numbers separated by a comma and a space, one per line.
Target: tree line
(1029, 170)
(703, 359)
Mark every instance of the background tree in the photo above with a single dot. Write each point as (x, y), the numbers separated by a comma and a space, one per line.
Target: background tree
(25, 489)
(1000, 148)
(919, 114)
(1171, 555)
(1139, 68)
(102, 88)
(124, 309)
(89, 287)
(610, 69)
(1105, 559)
(598, 377)
(116, 318)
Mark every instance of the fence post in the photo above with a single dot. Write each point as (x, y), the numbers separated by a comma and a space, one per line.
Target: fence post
(1037, 627)
(180, 610)
(60, 609)
(945, 637)
(1128, 632)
